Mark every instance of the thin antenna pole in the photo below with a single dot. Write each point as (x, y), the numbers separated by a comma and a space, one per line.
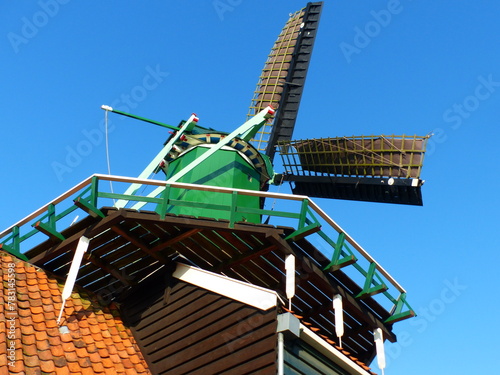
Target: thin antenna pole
(110, 109)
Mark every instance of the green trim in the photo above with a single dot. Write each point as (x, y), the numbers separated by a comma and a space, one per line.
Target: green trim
(88, 207)
(368, 289)
(15, 247)
(232, 209)
(133, 198)
(398, 315)
(337, 262)
(48, 230)
(13, 251)
(145, 119)
(303, 232)
(162, 207)
(87, 198)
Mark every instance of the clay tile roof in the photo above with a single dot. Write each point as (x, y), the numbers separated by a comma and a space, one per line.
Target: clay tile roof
(29, 331)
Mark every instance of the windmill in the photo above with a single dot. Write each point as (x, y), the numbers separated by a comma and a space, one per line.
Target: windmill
(378, 168)
(204, 283)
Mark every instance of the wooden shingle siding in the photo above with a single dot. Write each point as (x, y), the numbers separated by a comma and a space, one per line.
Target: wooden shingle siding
(184, 329)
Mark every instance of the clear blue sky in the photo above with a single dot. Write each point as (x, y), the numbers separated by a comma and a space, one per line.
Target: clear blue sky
(379, 67)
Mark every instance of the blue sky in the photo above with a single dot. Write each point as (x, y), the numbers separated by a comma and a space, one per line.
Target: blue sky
(379, 67)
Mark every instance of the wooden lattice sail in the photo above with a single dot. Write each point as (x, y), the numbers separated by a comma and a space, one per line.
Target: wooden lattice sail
(375, 156)
(367, 168)
(283, 76)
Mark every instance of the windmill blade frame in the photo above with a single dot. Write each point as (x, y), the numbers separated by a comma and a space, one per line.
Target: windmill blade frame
(282, 80)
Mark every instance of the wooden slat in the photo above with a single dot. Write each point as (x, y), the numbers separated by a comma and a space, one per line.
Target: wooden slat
(206, 329)
(259, 343)
(195, 328)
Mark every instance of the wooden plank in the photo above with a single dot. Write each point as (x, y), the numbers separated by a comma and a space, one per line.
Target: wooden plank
(205, 328)
(196, 254)
(186, 316)
(178, 238)
(147, 298)
(245, 257)
(138, 243)
(69, 243)
(202, 223)
(169, 313)
(264, 364)
(258, 342)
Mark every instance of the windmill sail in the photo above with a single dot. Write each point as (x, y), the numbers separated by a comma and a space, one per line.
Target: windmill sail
(282, 80)
(375, 168)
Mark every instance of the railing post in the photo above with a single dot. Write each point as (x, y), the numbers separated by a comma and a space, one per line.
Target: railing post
(338, 250)
(94, 191)
(15, 247)
(398, 314)
(163, 206)
(368, 289)
(51, 216)
(232, 212)
(303, 213)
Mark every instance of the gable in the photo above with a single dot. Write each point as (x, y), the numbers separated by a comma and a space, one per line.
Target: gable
(185, 329)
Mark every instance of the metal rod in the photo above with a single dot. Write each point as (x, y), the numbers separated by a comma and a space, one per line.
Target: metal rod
(108, 108)
(281, 357)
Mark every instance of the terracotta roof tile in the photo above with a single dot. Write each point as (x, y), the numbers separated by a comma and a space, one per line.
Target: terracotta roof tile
(29, 350)
(127, 363)
(81, 352)
(54, 341)
(119, 367)
(123, 354)
(97, 367)
(95, 357)
(71, 356)
(57, 350)
(131, 350)
(89, 340)
(40, 326)
(45, 355)
(103, 353)
(47, 366)
(32, 371)
(41, 335)
(97, 342)
(38, 318)
(84, 362)
(74, 367)
(112, 350)
(28, 339)
(49, 308)
(63, 370)
(27, 330)
(107, 362)
(31, 360)
(100, 344)
(24, 312)
(40, 302)
(33, 288)
(54, 332)
(23, 304)
(43, 344)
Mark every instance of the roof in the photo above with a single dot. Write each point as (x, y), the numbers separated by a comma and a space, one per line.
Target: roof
(96, 342)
